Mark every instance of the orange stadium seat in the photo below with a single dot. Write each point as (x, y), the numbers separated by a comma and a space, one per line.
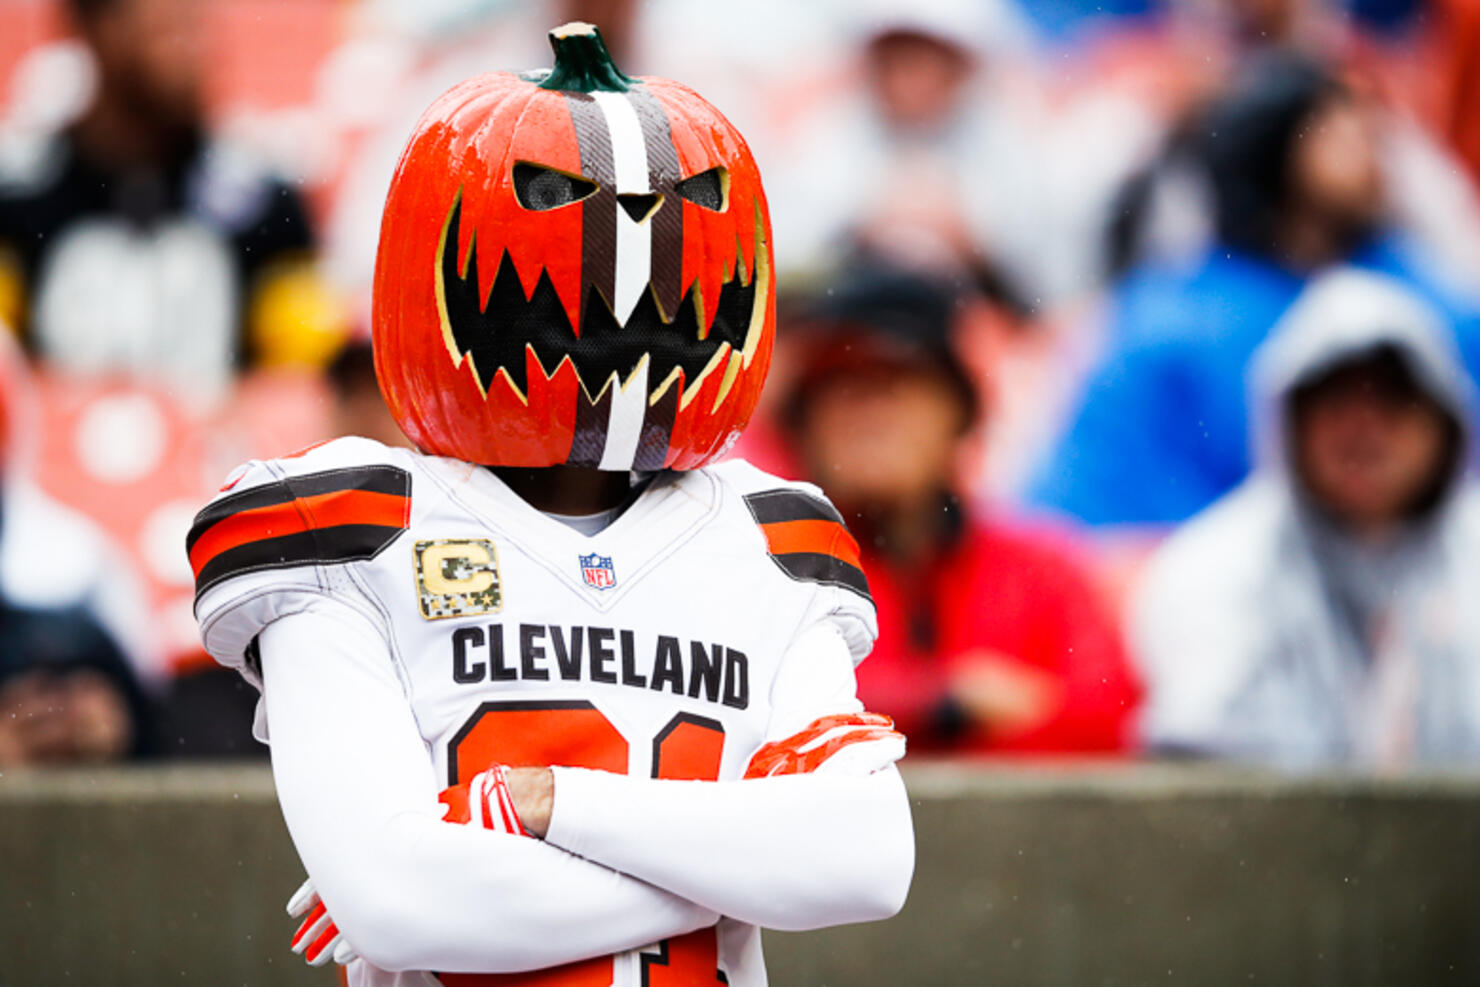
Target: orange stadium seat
(139, 461)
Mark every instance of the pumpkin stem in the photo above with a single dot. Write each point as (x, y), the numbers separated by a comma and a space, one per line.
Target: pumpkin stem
(582, 63)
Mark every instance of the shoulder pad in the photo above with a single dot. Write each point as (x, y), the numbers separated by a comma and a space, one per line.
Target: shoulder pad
(342, 501)
(805, 535)
(745, 478)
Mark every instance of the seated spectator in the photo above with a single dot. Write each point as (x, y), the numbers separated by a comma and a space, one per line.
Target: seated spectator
(67, 694)
(136, 244)
(992, 638)
(71, 639)
(1323, 613)
(1293, 160)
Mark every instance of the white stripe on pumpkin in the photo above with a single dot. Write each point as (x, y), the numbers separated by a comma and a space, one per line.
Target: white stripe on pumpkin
(630, 164)
(624, 424)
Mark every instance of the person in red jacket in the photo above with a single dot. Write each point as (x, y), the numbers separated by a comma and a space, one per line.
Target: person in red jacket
(992, 637)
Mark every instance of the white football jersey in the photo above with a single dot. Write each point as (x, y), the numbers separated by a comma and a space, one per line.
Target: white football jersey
(649, 648)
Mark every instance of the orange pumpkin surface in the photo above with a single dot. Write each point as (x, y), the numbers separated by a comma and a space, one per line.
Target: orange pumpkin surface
(574, 268)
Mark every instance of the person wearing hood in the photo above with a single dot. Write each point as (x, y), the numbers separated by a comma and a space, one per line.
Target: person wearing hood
(1293, 161)
(1322, 613)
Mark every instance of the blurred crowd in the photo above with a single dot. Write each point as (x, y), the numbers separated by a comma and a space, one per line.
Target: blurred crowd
(1136, 341)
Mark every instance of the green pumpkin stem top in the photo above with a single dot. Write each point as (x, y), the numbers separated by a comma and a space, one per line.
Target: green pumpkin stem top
(582, 63)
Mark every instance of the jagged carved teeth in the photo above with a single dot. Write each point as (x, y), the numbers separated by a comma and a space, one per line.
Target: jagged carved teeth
(494, 331)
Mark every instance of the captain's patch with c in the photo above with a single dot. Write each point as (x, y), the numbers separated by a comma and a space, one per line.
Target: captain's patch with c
(457, 577)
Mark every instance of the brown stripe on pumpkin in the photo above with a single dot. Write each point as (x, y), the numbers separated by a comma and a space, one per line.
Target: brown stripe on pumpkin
(599, 211)
(657, 428)
(667, 223)
(588, 441)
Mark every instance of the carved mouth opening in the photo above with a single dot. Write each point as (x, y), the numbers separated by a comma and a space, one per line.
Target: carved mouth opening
(494, 330)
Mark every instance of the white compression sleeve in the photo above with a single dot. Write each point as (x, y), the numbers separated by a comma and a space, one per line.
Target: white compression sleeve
(792, 852)
(409, 891)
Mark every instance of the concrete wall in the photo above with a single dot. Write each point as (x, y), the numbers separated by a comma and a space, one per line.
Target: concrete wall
(1104, 876)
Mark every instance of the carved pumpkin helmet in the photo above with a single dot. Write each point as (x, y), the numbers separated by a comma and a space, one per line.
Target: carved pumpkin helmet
(574, 267)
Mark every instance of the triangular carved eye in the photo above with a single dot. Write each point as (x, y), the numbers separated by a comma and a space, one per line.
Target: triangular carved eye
(708, 189)
(540, 188)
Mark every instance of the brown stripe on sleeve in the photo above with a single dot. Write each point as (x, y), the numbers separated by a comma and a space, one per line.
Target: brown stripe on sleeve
(328, 517)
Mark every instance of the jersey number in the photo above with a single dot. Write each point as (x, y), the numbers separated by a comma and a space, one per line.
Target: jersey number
(574, 733)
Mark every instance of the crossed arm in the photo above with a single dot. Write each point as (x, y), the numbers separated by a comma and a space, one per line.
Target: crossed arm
(359, 794)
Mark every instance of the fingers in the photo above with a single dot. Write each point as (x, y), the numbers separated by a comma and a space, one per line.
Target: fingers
(869, 740)
(865, 755)
(328, 944)
(478, 802)
(344, 953)
(495, 804)
(840, 721)
(501, 803)
(312, 928)
(858, 752)
(317, 938)
(303, 899)
(841, 736)
(484, 802)
(321, 950)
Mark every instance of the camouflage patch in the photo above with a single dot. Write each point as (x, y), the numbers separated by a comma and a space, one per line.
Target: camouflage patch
(457, 577)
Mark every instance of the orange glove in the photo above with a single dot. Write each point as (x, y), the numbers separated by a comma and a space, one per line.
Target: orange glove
(485, 802)
(860, 742)
(317, 938)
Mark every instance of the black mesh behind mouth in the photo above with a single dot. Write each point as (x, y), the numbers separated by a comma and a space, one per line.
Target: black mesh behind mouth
(496, 334)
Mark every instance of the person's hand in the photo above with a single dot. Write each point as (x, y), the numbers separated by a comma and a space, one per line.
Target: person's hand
(100, 726)
(78, 715)
(859, 743)
(533, 794)
(318, 939)
(23, 716)
(486, 801)
(1006, 696)
(508, 800)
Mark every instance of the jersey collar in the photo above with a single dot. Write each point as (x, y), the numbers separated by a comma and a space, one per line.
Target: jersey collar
(667, 512)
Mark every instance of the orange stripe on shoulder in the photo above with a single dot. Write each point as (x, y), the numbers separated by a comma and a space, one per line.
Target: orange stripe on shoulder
(346, 514)
(813, 537)
(298, 515)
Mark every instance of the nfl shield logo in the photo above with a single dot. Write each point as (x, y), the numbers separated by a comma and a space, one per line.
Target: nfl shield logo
(598, 571)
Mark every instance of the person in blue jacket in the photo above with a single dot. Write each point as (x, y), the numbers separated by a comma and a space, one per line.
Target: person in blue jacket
(1291, 159)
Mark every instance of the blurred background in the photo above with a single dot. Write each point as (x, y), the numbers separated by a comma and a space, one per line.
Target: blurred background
(1136, 340)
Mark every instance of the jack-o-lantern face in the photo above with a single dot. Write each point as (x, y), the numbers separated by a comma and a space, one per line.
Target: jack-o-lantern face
(574, 267)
